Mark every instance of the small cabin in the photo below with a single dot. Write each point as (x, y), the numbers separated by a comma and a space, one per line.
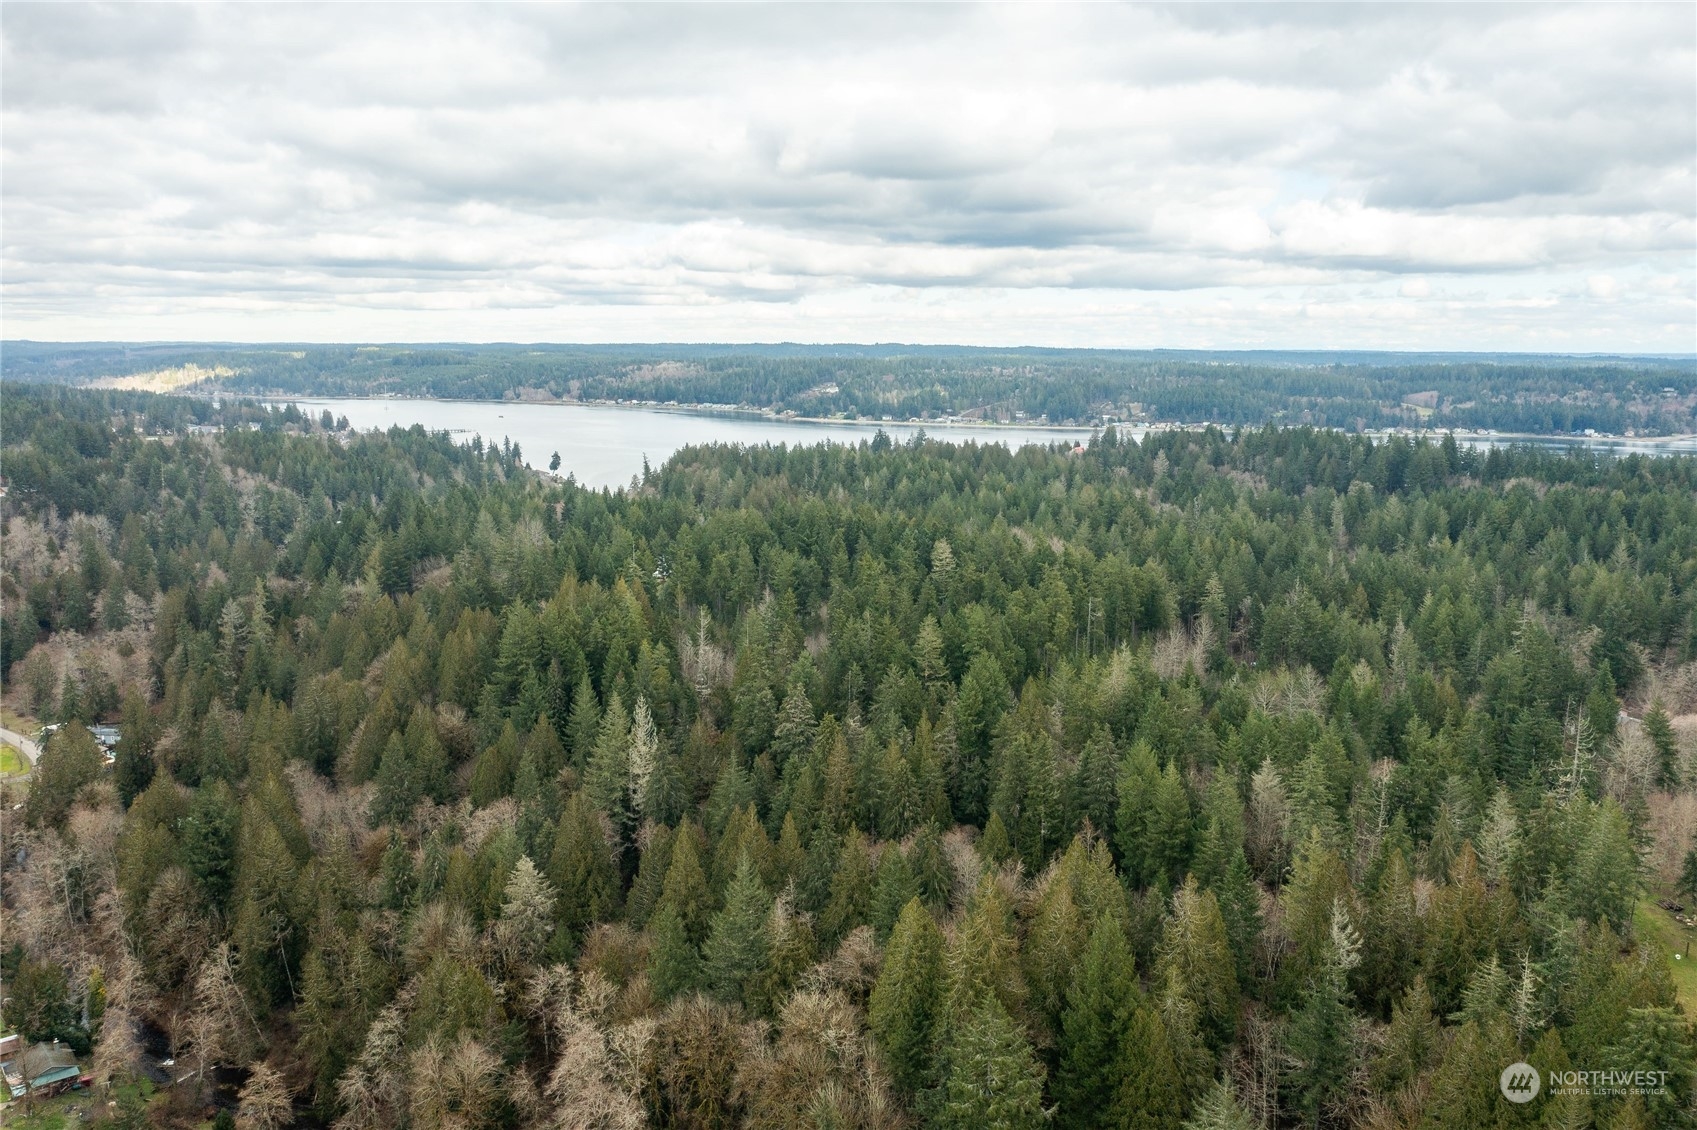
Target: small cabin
(42, 1070)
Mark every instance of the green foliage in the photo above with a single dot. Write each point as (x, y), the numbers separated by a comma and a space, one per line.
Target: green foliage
(736, 955)
(994, 1079)
(70, 761)
(674, 960)
(1149, 1094)
(1095, 1025)
(581, 867)
(906, 1003)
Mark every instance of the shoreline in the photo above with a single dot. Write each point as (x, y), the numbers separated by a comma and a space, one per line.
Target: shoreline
(726, 411)
(764, 416)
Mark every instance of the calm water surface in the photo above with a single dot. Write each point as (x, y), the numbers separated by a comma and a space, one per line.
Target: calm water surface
(604, 446)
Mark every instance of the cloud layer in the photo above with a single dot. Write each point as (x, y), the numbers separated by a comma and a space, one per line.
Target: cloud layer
(1433, 177)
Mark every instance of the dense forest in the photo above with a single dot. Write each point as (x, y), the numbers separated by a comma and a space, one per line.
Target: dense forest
(1351, 391)
(1264, 778)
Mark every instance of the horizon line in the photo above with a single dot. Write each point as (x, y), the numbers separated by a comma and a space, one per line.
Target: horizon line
(566, 344)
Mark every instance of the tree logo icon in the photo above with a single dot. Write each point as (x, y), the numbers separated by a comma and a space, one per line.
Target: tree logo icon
(1520, 1083)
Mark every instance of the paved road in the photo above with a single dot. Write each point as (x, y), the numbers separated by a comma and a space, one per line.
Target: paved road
(23, 745)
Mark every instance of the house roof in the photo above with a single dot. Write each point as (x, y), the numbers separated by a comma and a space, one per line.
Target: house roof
(41, 1065)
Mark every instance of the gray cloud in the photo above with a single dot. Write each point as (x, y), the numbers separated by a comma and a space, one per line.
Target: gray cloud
(292, 171)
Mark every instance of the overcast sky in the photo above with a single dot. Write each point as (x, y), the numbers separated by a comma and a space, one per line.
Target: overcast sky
(1428, 177)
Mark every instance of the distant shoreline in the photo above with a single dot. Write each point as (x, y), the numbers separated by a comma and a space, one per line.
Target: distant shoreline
(762, 415)
(759, 414)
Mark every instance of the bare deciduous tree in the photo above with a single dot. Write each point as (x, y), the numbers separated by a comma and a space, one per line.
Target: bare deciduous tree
(264, 1102)
(453, 1088)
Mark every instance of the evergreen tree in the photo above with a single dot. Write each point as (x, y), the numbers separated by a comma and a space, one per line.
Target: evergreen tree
(395, 875)
(1322, 1031)
(495, 770)
(585, 723)
(1150, 1095)
(1606, 868)
(906, 1002)
(1025, 790)
(70, 762)
(1313, 802)
(1318, 881)
(994, 1081)
(674, 964)
(398, 786)
(527, 909)
(893, 888)
(994, 846)
(1659, 1040)
(1169, 828)
(930, 777)
(1391, 939)
(736, 955)
(685, 892)
(1196, 957)
(931, 871)
(788, 856)
(1659, 730)
(1222, 831)
(793, 735)
(850, 903)
(742, 836)
(1412, 1042)
(133, 764)
(1094, 1027)
(1688, 875)
(1218, 1109)
(208, 837)
(1239, 899)
(607, 777)
(1139, 778)
(655, 862)
(1091, 791)
(581, 867)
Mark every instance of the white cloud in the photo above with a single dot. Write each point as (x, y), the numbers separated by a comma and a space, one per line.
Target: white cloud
(1070, 175)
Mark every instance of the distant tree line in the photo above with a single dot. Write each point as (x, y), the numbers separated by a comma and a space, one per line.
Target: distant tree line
(1350, 391)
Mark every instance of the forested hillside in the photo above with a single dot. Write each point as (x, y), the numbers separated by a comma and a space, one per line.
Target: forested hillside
(1271, 779)
(1354, 391)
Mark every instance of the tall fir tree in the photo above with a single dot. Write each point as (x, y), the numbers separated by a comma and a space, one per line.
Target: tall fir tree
(907, 1000)
(1139, 777)
(994, 1080)
(1322, 1038)
(892, 888)
(585, 723)
(607, 777)
(736, 954)
(581, 867)
(1196, 955)
(674, 963)
(1094, 1026)
(1149, 1094)
(685, 892)
(1659, 729)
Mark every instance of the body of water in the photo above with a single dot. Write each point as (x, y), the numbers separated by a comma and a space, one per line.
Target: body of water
(604, 445)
